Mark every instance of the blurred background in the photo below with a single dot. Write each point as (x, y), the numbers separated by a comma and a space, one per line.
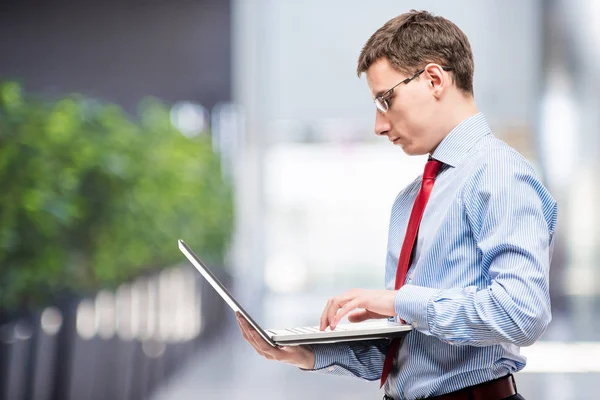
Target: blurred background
(240, 126)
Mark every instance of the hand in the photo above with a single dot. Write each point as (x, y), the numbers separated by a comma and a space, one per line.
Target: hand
(376, 304)
(300, 356)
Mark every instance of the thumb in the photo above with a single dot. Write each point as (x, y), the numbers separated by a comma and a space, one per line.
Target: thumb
(363, 315)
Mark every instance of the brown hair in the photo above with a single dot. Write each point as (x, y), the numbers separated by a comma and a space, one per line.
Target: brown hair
(413, 39)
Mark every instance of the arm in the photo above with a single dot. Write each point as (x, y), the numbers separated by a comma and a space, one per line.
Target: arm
(362, 359)
(358, 359)
(300, 356)
(512, 218)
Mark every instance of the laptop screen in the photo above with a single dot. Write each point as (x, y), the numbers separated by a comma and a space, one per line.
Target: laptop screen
(218, 286)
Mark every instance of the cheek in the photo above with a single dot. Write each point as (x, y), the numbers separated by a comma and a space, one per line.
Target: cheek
(405, 123)
(408, 113)
(401, 115)
(417, 119)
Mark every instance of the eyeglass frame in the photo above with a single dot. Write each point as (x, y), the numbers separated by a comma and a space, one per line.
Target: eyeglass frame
(383, 98)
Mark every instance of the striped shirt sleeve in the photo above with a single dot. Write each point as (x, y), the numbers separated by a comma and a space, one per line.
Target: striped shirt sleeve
(362, 359)
(506, 207)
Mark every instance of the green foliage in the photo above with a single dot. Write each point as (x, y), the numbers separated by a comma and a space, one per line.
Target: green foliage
(90, 198)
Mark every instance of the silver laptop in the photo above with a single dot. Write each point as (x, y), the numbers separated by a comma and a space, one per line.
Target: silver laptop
(380, 329)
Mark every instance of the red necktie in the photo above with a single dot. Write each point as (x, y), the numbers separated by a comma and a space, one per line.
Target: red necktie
(431, 170)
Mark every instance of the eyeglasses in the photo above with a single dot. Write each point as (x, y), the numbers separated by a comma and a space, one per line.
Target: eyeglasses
(382, 102)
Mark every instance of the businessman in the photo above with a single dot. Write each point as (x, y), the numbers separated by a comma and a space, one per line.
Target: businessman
(470, 240)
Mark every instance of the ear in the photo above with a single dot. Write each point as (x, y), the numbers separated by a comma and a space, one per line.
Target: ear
(437, 79)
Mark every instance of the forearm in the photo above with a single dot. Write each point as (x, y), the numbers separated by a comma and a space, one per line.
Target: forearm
(467, 316)
(358, 359)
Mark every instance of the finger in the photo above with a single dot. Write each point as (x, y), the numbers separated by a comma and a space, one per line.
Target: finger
(333, 305)
(248, 335)
(331, 313)
(363, 315)
(337, 304)
(258, 342)
(246, 327)
(263, 347)
(351, 305)
(240, 320)
(323, 323)
(245, 333)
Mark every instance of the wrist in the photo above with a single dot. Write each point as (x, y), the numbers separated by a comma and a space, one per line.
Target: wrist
(308, 359)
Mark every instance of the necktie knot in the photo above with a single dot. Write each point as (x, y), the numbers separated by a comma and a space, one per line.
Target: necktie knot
(431, 169)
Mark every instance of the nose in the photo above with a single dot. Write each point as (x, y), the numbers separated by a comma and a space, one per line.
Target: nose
(382, 124)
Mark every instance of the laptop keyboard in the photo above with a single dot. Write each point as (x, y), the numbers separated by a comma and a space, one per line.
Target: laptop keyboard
(339, 328)
(312, 329)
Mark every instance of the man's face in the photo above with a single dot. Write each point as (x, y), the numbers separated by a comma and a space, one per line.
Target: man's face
(409, 120)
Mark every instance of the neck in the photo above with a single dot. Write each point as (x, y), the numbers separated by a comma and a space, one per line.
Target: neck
(459, 112)
(462, 108)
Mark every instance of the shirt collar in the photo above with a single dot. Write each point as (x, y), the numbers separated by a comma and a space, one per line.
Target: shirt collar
(454, 147)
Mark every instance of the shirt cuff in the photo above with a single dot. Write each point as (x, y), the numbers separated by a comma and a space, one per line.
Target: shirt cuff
(411, 305)
(330, 355)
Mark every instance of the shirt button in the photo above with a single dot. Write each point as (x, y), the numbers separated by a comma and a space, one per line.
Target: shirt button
(330, 369)
(415, 325)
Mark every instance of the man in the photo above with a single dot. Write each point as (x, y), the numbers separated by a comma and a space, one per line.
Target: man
(469, 243)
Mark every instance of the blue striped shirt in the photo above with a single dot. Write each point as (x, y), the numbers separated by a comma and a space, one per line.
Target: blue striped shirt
(477, 287)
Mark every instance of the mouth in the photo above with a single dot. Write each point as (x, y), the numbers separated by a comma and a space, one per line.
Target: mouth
(394, 140)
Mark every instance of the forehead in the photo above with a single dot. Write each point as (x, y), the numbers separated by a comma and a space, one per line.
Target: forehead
(381, 76)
